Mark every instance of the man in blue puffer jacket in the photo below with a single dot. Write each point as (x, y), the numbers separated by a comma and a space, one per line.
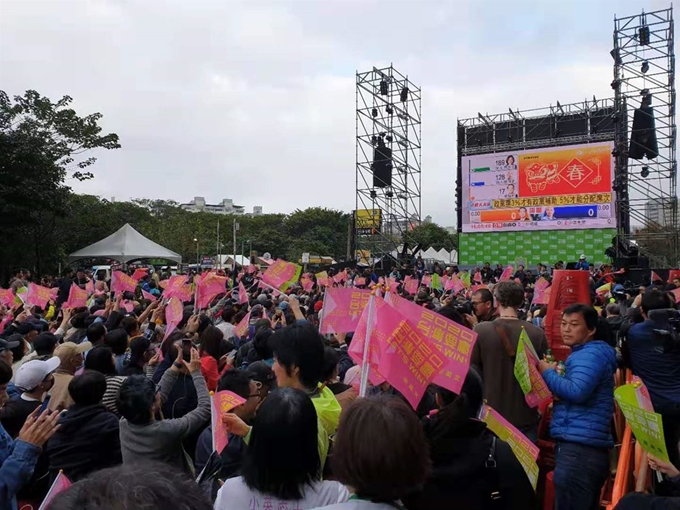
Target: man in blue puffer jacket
(582, 413)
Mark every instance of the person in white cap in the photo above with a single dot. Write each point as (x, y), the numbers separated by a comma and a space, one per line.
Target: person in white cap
(18, 458)
(582, 263)
(35, 379)
(71, 356)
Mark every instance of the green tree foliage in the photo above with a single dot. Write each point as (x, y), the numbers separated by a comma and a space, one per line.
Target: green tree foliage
(432, 235)
(41, 145)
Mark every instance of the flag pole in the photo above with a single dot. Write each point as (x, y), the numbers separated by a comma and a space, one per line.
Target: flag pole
(323, 305)
(365, 365)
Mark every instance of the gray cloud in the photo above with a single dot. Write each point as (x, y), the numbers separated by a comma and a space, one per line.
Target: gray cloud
(255, 100)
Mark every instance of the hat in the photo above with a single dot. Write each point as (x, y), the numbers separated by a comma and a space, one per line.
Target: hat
(618, 288)
(261, 373)
(26, 327)
(7, 344)
(318, 306)
(262, 298)
(283, 305)
(68, 350)
(582, 257)
(33, 372)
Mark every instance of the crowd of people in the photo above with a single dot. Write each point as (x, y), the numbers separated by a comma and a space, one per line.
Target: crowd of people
(119, 402)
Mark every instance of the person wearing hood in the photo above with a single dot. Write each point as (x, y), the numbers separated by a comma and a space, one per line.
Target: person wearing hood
(582, 412)
(460, 447)
(88, 437)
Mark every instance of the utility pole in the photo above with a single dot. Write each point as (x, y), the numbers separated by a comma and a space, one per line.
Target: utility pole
(219, 260)
(235, 229)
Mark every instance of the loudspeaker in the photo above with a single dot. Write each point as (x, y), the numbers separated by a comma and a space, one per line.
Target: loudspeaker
(643, 135)
(382, 167)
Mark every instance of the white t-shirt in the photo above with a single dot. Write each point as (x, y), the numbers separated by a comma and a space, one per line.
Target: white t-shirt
(236, 495)
(227, 329)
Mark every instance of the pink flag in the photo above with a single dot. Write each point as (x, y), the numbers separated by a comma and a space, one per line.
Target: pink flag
(322, 279)
(128, 306)
(77, 297)
(359, 281)
(281, 274)
(307, 284)
(179, 288)
(242, 294)
(7, 297)
(427, 280)
(507, 273)
(252, 268)
(392, 283)
(477, 277)
(89, 287)
(656, 277)
(673, 273)
(61, 483)
(208, 289)
(121, 282)
(540, 287)
(54, 293)
(342, 308)
(37, 295)
(173, 315)
(163, 284)
(406, 359)
(453, 341)
(341, 277)
(241, 328)
(539, 392)
(148, 296)
(222, 402)
(411, 285)
(139, 274)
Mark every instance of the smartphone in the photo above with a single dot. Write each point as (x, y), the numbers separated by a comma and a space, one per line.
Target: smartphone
(187, 345)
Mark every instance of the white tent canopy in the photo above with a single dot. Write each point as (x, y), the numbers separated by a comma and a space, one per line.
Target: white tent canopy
(125, 245)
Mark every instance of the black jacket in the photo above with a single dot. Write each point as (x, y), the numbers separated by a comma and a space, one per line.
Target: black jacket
(87, 441)
(459, 448)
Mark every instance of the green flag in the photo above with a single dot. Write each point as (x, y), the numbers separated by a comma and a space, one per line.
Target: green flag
(646, 425)
(522, 364)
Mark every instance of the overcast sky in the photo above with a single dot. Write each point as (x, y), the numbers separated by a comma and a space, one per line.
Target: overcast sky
(255, 101)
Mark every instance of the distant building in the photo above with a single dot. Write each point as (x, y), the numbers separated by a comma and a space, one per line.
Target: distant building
(660, 211)
(226, 206)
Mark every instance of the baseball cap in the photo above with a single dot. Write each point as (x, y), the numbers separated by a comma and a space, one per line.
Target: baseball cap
(283, 305)
(262, 298)
(582, 257)
(68, 350)
(26, 327)
(7, 344)
(33, 372)
(318, 306)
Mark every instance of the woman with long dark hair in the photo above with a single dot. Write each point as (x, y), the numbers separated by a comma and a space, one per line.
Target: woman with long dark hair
(282, 465)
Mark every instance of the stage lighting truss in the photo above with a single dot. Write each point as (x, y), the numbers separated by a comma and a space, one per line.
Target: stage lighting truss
(644, 65)
(388, 109)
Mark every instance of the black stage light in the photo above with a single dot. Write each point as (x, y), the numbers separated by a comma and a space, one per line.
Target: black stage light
(644, 173)
(374, 112)
(389, 110)
(404, 94)
(374, 140)
(388, 138)
(383, 87)
(643, 35)
(645, 67)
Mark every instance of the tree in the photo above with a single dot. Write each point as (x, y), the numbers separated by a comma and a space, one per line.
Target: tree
(432, 235)
(41, 144)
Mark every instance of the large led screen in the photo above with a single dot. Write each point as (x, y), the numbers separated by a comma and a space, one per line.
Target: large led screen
(558, 188)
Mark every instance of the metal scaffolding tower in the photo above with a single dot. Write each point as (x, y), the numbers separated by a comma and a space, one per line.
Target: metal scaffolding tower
(388, 131)
(644, 74)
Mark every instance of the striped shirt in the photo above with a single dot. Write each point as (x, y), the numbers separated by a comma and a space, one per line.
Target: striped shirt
(113, 384)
